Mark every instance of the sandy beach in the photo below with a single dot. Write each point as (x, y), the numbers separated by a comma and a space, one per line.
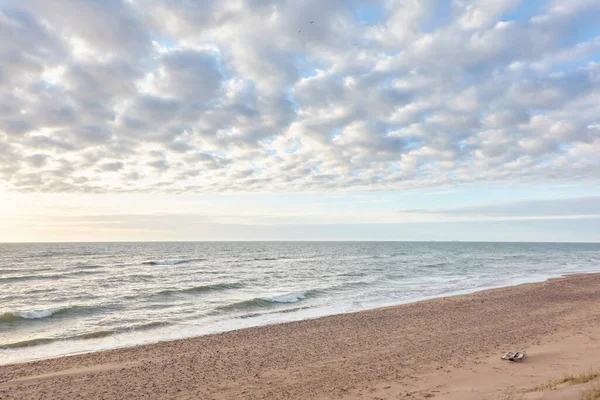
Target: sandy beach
(446, 348)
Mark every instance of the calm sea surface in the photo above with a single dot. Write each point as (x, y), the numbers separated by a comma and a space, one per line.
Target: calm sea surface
(58, 299)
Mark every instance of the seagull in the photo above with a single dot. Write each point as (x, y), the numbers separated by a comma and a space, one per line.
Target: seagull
(312, 22)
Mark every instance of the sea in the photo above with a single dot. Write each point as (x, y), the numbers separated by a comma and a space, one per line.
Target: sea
(64, 298)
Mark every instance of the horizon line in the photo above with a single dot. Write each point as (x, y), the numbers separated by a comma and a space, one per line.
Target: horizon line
(298, 241)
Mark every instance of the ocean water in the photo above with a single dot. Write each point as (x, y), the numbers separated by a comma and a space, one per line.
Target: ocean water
(58, 299)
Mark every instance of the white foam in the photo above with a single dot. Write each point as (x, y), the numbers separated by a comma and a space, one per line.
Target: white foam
(37, 314)
(288, 298)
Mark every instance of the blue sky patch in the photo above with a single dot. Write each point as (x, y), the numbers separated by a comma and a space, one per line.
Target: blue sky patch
(369, 14)
(525, 11)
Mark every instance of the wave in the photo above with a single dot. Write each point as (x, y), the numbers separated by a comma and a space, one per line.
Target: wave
(48, 277)
(144, 277)
(281, 300)
(50, 253)
(26, 343)
(202, 289)
(84, 336)
(286, 311)
(262, 302)
(28, 278)
(37, 314)
(89, 266)
(353, 274)
(396, 276)
(279, 258)
(84, 272)
(9, 271)
(434, 265)
(344, 286)
(173, 262)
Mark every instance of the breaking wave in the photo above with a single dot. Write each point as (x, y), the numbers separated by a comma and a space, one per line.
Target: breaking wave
(204, 288)
(262, 302)
(84, 336)
(285, 311)
(36, 314)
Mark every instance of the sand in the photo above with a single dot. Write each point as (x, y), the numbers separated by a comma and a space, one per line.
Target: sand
(447, 348)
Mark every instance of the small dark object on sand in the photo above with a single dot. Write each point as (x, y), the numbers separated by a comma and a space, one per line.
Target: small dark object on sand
(514, 357)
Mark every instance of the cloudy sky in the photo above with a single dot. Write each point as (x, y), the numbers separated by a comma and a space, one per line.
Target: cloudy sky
(300, 119)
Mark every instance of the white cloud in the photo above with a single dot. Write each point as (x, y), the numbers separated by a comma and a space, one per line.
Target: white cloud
(285, 96)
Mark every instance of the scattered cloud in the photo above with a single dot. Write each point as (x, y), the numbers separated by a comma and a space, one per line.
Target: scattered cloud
(285, 96)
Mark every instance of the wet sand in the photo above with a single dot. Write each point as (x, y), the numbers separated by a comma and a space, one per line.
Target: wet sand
(446, 348)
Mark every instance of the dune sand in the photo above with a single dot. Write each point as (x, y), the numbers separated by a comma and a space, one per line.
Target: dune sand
(447, 348)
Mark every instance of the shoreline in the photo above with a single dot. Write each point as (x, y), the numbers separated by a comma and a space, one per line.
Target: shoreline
(332, 356)
(463, 292)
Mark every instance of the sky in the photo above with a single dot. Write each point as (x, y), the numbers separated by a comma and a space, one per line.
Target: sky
(127, 120)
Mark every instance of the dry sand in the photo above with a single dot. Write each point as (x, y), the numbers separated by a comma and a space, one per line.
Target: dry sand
(448, 348)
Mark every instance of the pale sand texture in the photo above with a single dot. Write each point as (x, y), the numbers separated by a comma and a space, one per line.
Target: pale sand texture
(447, 348)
